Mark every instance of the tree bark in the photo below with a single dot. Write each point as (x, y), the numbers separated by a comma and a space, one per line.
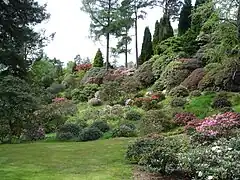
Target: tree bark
(107, 54)
(126, 49)
(136, 37)
(238, 23)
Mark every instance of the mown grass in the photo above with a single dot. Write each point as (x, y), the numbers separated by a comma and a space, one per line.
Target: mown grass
(96, 160)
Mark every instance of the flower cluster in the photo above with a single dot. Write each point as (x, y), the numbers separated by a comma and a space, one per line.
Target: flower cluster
(184, 118)
(83, 67)
(58, 99)
(219, 124)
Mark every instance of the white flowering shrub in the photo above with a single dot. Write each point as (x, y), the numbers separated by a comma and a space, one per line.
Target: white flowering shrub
(218, 161)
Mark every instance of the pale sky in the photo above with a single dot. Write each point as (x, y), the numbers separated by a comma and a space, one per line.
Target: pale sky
(72, 29)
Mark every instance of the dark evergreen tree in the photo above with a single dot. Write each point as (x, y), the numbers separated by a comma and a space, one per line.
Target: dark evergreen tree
(98, 60)
(166, 30)
(18, 40)
(156, 35)
(238, 22)
(199, 2)
(185, 19)
(147, 49)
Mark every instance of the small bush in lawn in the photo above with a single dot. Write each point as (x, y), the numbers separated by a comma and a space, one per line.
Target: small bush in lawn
(161, 160)
(178, 102)
(133, 115)
(125, 130)
(101, 125)
(179, 91)
(65, 130)
(65, 136)
(90, 134)
(140, 147)
(183, 118)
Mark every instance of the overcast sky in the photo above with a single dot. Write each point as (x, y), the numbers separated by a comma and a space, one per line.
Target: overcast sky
(72, 30)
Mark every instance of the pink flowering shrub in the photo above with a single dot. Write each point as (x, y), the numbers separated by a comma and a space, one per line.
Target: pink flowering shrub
(183, 118)
(213, 127)
(219, 125)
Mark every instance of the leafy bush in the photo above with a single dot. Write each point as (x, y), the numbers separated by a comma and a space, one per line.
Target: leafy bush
(144, 74)
(56, 88)
(110, 94)
(192, 81)
(195, 93)
(141, 147)
(162, 160)
(183, 118)
(155, 121)
(85, 93)
(95, 102)
(178, 102)
(158, 85)
(179, 91)
(101, 125)
(95, 72)
(65, 136)
(90, 134)
(219, 160)
(68, 132)
(159, 64)
(34, 133)
(125, 130)
(133, 115)
(55, 114)
(4, 132)
(174, 74)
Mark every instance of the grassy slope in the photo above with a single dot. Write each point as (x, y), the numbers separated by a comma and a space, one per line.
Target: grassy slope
(98, 160)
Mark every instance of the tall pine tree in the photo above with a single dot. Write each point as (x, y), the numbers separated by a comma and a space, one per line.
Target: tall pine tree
(166, 30)
(147, 49)
(185, 19)
(98, 60)
(156, 34)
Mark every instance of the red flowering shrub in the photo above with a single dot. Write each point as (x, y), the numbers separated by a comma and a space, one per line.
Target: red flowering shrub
(184, 118)
(83, 67)
(191, 125)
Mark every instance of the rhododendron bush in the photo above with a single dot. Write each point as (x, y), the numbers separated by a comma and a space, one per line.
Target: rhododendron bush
(221, 125)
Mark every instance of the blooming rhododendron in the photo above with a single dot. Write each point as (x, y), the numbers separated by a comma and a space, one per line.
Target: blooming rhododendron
(83, 67)
(57, 99)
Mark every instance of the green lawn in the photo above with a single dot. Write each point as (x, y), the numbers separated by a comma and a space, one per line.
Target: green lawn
(96, 160)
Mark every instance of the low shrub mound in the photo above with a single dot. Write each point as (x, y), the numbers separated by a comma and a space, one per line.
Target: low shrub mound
(195, 93)
(192, 81)
(68, 132)
(182, 119)
(101, 125)
(90, 134)
(178, 102)
(155, 121)
(125, 130)
(179, 91)
(133, 115)
(221, 102)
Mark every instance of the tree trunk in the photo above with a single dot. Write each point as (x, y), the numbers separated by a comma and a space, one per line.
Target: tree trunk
(107, 54)
(126, 49)
(136, 37)
(238, 23)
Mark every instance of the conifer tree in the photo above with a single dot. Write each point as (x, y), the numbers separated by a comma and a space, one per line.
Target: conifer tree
(185, 19)
(166, 30)
(156, 35)
(147, 49)
(98, 60)
(199, 2)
